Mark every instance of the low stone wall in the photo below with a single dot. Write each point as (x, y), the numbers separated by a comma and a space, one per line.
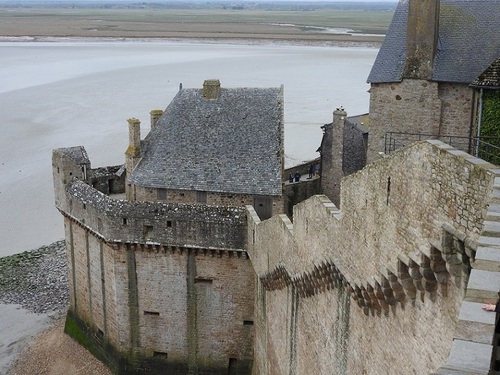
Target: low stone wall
(380, 282)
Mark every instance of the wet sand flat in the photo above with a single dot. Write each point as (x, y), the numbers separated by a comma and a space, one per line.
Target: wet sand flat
(201, 24)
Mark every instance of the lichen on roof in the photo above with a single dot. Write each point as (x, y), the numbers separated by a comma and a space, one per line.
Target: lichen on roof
(231, 145)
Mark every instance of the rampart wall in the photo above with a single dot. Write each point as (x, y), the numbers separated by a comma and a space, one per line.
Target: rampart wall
(378, 286)
(156, 222)
(149, 281)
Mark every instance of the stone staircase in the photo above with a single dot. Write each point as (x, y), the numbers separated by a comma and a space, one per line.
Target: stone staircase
(475, 349)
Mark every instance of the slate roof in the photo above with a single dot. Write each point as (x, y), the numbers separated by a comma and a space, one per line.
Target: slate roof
(76, 153)
(468, 42)
(233, 144)
(490, 78)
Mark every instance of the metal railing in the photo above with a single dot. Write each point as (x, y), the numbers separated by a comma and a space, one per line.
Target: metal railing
(486, 148)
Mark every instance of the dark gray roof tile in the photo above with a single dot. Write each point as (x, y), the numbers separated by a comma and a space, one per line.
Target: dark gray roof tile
(468, 42)
(232, 144)
(490, 78)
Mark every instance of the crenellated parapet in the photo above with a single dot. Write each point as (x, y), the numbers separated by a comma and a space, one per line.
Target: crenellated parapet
(185, 225)
(84, 195)
(392, 268)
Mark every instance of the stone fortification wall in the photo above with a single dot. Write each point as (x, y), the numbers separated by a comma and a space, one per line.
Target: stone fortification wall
(205, 198)
(412, 193)
(378, 283)
(149, 281)
(162, 223)
(162, 308)
(436, 108)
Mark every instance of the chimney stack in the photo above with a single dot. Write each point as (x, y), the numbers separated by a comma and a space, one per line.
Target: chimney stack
(421, 38)
(155, 116)
(211, 89)
(134, 137)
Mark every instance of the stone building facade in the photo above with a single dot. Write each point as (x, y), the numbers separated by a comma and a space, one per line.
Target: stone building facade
(161, 282)
(420, 81)
(149, 281)
(212, 146)
(181, 278)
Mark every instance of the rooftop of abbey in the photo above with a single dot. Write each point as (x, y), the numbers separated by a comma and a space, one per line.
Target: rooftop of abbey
(202, 254)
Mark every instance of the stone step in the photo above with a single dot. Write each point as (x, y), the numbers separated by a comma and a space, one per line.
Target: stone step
(493, 216)
(488, 241)
(495, 195)
(493, 213)
(491, 229)
(487, 259)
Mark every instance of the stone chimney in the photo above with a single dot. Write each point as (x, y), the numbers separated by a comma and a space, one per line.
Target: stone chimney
(421, 39)
(155, 116)
(133, 153)
(134, 137)
(211, 89)
(332, 156)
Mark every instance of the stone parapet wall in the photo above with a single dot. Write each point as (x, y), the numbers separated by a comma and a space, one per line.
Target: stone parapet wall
(181, 225)
(365, 287)
(398, 205)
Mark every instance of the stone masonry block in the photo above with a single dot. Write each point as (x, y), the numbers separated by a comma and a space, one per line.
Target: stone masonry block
(487, 259)
(475, 324)
(470, 356)
(491, 229)
(472, 312)
(483, 285)
(489, 241)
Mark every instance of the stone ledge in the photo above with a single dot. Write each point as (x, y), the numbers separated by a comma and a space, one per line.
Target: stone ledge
(489, 241)
(483, 285)
(491, 229)
(451, 371)
(487, 259)
(469, 356)
(472, 312)
(475, 324)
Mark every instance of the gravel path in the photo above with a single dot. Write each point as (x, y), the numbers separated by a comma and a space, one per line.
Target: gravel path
(37, 280)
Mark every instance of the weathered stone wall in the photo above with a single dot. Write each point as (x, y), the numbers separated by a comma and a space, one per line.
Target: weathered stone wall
(162, 287)
(299, 191)
(380, 282)
(173, 224)
(210, 198)
(108, 180)
(177, 304)
(418, 106)
(411, 106)
(457, 110)
(355, 146)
